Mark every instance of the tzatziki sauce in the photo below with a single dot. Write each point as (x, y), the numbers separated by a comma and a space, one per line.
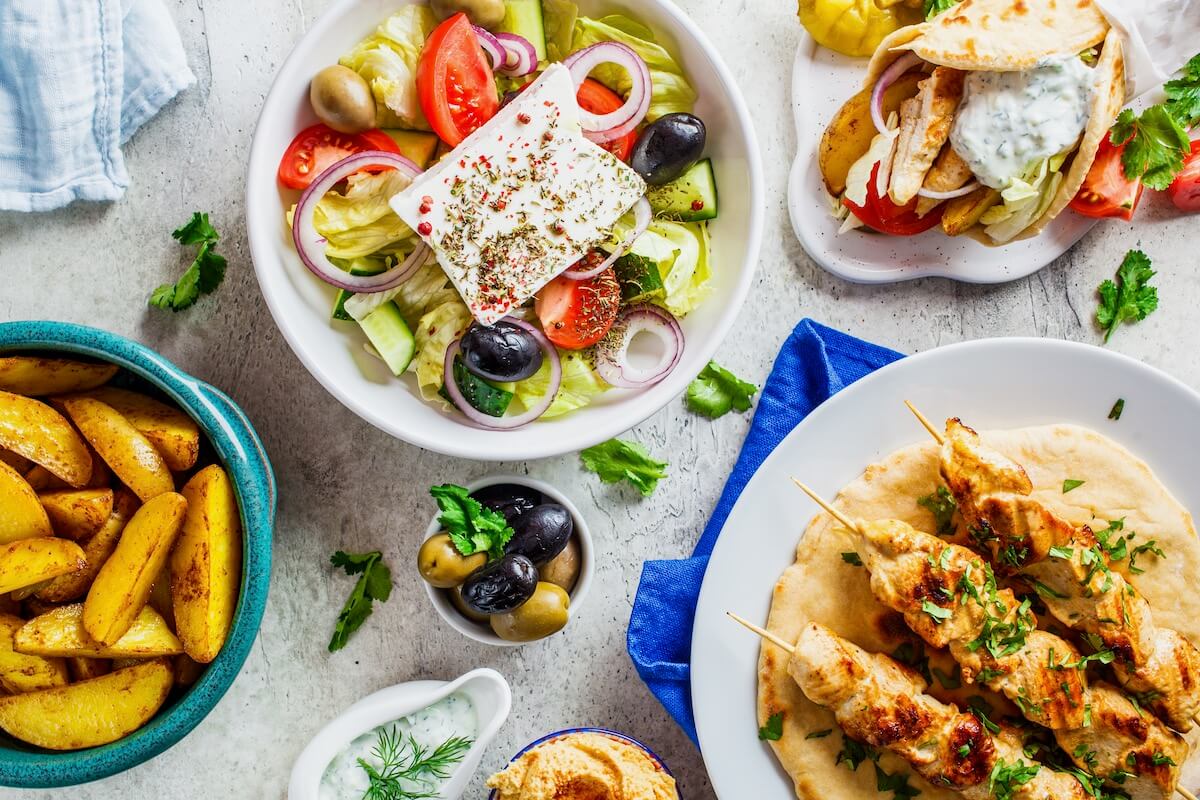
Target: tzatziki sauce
(450, 717)
(1010, 120)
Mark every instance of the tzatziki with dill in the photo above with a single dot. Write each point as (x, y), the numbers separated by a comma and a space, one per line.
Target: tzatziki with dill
(412, 757)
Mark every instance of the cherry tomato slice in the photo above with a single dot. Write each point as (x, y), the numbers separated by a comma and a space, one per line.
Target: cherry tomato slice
(317, 148)
(597, 98)
(577, 314)
(455, 82)
(1106, 192)
(881, 214)
(1185, 189)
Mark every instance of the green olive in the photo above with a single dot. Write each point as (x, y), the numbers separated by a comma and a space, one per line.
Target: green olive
(456, 600)
(563, 569)
(484, 13)
(544, 614)
(342, 99)
(440, 563)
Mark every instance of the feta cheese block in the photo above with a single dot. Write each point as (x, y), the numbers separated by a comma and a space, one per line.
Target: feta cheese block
(520, 200)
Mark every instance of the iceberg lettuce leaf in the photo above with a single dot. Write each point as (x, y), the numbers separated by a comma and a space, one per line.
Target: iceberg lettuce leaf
(435, 331)
(387, 61)
(580, 385)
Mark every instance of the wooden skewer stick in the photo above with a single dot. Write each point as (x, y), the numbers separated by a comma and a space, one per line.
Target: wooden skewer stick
(934, 432)
(772, 638)
(1185, 793)
(833, 512)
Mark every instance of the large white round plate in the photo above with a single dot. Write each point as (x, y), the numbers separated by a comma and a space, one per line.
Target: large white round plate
(822, 81)
(994, 383)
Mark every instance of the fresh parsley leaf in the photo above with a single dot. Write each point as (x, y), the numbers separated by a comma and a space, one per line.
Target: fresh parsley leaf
(852, 558)
(1183, 94)
(472, 526)
(773, 730)
(931, 8)
(896, 783)
(1118, 409)
(617, 460)
(819, 734)
(935, 611)
(716, 391)
(854, 753)
(1155, 145)
(374, 583)
(941, 504)
(206, 272)
(1130, 298)
(1072, 483)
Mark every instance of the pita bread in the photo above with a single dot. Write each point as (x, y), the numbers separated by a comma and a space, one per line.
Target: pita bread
(1006, 35)
(821, 587)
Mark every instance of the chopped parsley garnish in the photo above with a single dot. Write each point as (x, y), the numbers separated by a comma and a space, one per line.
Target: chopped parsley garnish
(1006, 779)
(854, 753)
(374, 583)
(1130, 298)
(931, 8)
(1117, 409)
(948, 680)
(1160, 759)
(1148, 547)
(896, 783)
(1156, 141)
(472, 526)
(981, 708)
(1072, 483)
(1045, 591)
(617, 460)
(852, 558)
(819, 734)
(913, 656)
(938, 613)
(716, 391)
(1058, 551)
(206, 272)
(941, 504)
(773, 730)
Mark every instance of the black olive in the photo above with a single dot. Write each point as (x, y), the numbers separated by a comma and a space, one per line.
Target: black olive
(501, 586)
(542, 533)
(510, 499)
(502, 352)
(668, 147)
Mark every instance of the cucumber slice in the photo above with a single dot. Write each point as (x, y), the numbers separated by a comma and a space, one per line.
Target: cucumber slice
(639, 278)
(482, 396)
(417, 146)
(339, 306)
(524, 18)
(354, 267)
(692, 197)
(389, 334)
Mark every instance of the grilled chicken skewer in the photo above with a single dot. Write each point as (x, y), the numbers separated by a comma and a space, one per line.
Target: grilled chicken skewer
(880, 702)
(1157, 665)
(949, 597)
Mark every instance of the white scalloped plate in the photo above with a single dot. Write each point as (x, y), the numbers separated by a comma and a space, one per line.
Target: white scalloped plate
(821, 82)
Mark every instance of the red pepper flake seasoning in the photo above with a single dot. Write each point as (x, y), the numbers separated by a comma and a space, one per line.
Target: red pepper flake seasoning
(425, 208)
(548, 136)
(424, 229)
(524, 118)
(426, 199)
(697, 205)
(558, 227)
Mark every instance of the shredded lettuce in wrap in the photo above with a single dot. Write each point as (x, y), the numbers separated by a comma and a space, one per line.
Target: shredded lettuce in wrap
(1025, 200)
(387, 61)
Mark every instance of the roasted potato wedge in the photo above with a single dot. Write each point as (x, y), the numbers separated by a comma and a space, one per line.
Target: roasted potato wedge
(81, 668)
(31, 375)
(61, 633)
(21, 515)
(88, 713)
(42, 480)
(187, 670)
(160, 594)
(123, 585)
(20, 463)
(171, 431)
(962, 213)
(127, 452)
(27, 562)
(850, 132)
(77, 513)
(34, 430)
(23, 673)
(206, 566)
(96, 550)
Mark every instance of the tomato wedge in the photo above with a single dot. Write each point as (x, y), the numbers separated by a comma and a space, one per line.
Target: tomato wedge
(1106, 192)
(577, 314)
(597, 98)
(317, 148)
(881, 214)
(455, 82)
(1185, 189)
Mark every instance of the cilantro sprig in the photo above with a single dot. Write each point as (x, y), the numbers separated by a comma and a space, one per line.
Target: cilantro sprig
(1156, 140)
(206, 272)
(471, 526)
(617, 460)
(716, 391)
(374, 583)
(773, 730)
(1130, 298)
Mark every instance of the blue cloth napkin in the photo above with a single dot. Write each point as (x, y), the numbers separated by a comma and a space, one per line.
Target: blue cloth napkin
(814, 363)
(77, 78)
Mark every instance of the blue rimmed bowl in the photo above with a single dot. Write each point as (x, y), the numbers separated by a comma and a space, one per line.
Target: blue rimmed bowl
(237, 447)
(653, 756)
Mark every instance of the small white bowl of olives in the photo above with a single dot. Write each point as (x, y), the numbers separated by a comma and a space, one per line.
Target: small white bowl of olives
(532, 591)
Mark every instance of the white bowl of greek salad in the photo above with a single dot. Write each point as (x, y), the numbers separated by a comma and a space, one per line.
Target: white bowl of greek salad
(504, 229)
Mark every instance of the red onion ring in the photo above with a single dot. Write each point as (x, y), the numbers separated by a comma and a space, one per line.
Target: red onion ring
(606, 127)
(310, 245)
(950, 195)
(491, 45)
(889, 76)
(613, 350)
(520, 56)
(482, 420)
(642, 214)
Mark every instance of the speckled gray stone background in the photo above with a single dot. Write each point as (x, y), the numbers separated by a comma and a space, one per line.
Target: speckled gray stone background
(344, 484)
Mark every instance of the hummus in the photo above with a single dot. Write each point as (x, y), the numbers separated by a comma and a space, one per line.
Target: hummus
(584, 766)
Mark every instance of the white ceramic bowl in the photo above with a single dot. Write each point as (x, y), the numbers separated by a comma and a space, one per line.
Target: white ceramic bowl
(587, 564)
(489, 693)
(333, 352)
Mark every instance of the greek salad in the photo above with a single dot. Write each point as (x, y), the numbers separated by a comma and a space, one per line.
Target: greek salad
(506, 194)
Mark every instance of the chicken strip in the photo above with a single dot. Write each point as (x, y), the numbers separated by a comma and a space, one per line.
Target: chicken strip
(948, 173)
(925, 122)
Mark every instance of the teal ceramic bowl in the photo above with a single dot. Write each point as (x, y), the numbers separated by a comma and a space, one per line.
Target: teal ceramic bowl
(233, 442)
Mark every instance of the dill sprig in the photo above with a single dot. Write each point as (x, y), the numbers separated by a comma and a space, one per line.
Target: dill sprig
(405, 759)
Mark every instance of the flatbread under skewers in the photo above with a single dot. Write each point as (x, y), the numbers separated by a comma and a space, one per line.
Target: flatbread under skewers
(821, 587)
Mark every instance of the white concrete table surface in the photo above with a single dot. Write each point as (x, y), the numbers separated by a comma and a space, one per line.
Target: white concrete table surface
(345, 485)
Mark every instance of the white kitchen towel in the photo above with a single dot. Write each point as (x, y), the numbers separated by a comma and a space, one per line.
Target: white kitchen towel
(1159, 37)
(77, 78)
